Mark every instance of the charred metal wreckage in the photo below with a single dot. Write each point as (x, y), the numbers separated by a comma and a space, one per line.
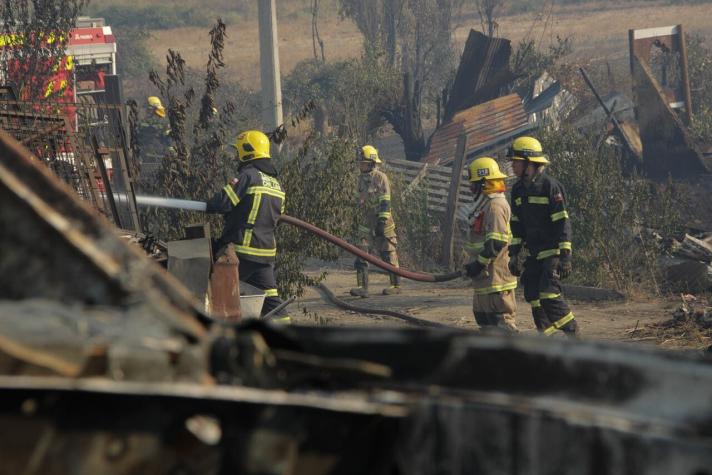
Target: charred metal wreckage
(110, 366)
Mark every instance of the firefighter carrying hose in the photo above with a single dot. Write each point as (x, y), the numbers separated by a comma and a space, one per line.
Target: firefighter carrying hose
(540, 223)
(494, 303)
(376, 229)
(251, 205)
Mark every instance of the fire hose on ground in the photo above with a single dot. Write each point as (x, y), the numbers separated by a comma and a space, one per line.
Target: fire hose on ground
(190, 205)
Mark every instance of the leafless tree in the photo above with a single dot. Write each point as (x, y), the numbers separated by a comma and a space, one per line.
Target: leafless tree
(413, 38)
(316, 38)
(489, 12)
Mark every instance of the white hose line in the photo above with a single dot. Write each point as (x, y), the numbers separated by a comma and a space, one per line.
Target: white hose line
(159, 202)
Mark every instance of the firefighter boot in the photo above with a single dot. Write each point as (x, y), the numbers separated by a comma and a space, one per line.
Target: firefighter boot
(499, 321)
(362, 283)
(482, 319)
(394, 289)
(571, 330)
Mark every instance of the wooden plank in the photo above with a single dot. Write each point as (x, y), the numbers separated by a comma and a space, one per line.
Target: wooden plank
(418, 165)
(452, 201)
(432, 177)
(418, 178)
(463, 195)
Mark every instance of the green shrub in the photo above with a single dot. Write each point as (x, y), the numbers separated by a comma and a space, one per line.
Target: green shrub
(320, 184)
(418, 245)
(700, 71)
(199, 161)
(615, 218)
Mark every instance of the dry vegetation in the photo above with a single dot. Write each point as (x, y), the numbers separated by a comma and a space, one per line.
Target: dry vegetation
(599, 34)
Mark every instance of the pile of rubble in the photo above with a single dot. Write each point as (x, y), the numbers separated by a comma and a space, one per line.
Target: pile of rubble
(689, 268)
(693, 310)
(689, 327)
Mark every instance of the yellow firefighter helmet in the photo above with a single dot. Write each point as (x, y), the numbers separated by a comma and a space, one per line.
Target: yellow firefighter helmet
(252, 145)
(369, 154)
(155, 104)
(485, 168)
(528, 149)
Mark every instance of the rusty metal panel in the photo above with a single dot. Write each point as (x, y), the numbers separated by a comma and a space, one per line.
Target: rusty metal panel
(482, 124)
(668, 149)
(663, 50)
(483, 71)
(225, 287)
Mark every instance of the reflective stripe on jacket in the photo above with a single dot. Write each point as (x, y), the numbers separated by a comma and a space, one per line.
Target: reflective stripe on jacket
(251, 208)
(540, 220)
(374, 195)
(489, 241)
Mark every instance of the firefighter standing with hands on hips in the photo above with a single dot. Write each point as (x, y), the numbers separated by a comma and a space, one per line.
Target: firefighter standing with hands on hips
(376, 229)
(251, 205)
(540, 222)
(494, 303)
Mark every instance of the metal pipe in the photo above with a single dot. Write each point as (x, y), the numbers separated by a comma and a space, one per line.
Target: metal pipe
(201, 206)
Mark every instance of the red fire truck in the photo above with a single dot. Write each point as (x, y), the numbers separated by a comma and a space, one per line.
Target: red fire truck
(90, 55)
(92, 47)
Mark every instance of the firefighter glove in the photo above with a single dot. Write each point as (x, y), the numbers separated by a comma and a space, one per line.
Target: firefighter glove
(565, 264)
(381, 228)
(473, 269)
(515, 267)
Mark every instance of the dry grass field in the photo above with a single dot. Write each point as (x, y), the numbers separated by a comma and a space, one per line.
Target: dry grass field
(599, 30)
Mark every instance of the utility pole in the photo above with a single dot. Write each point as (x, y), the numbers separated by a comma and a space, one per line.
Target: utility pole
(269, 65)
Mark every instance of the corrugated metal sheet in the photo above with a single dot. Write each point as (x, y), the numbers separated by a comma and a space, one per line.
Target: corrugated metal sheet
(483, 124)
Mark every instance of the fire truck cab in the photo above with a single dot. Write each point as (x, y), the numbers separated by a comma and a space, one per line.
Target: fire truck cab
(92, 47)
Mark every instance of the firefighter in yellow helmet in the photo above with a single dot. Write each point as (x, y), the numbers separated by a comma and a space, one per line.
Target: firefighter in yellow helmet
(154, 130)
(494, 303)
(540, 222)
(251, 205)
(376, 229)
(155, 105)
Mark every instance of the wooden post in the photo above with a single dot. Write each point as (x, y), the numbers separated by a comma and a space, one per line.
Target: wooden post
(685, 76)
(447, 255)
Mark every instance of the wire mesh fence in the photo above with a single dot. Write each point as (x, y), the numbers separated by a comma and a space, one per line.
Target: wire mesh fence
(85, 144)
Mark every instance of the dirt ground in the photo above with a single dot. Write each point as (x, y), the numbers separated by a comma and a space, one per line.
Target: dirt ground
(450, 303)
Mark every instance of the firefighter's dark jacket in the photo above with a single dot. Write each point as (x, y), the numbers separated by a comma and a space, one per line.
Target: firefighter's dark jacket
(540, 221)
(251, 208)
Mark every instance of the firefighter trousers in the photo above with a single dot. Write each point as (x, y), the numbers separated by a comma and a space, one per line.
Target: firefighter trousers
(261, 275)
(542, 289)
(386, 248)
